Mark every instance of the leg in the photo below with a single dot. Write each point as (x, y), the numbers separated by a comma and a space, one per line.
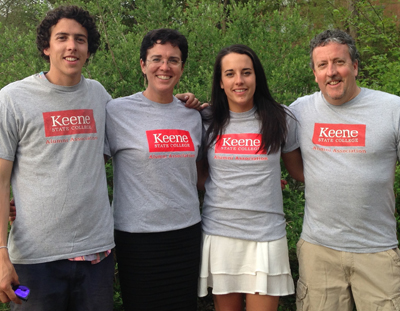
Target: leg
(125, 250)
(324, 283)
(49, 284)
(159, 271)
(92, 289)
(376, 281)
(256, 302)
(229, 302)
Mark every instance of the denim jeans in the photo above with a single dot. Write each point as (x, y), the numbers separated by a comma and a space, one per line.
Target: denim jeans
(66, 285)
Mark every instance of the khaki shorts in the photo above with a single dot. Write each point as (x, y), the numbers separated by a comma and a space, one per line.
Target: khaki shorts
(332, 280)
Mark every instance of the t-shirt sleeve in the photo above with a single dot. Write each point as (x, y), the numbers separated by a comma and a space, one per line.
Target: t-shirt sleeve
(8, 130)
(107, 150)
(291, 138)
(110, 131)
(398, 140)
(200, 155)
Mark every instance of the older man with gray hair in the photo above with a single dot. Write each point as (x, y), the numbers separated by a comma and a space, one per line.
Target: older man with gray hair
(350, 142)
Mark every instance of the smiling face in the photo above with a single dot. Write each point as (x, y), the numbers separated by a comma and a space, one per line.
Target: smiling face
(238, 80)
(335, 73)
(68, 52)
(162, 76)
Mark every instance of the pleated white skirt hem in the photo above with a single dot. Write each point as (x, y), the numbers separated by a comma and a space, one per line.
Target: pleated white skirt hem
(240, 266)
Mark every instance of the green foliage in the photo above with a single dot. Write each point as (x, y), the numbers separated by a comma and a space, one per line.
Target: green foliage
(118, 305)
(293, 202)
(15, 64)
(110, 182)
(377, 35)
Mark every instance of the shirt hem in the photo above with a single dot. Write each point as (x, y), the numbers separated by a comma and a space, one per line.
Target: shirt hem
(363, 250)
(62, 256)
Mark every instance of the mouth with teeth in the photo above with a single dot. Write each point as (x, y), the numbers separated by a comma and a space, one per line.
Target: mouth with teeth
(71, 59)
(239, 91)
(333, 82)
(164, 77)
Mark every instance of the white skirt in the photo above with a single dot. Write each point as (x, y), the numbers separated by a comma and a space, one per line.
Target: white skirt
(239, 266)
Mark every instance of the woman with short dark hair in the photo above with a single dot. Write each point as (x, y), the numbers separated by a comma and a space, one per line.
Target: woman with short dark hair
(154, 141)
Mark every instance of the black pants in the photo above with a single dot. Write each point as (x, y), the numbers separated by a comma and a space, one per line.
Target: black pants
(159, 271)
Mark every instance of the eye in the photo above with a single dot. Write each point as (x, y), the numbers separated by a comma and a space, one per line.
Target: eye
(247, 73)
(173, 61)
(155, 60)
(229, 74)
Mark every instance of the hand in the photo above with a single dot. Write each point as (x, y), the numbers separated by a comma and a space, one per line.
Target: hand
(283, 183)
(191, 101)
(13, 211)
(8, 277)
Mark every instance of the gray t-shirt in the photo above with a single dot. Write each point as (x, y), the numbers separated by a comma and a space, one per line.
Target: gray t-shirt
(154, 148)
(55, 137)
(349, 154)
(243, 197)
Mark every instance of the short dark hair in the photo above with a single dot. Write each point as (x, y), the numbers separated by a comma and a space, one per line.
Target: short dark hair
(272, 115)
(162, 36)
(83, 17)
(337, 36)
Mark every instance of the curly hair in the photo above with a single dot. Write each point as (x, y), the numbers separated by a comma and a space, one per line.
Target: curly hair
(83, 17)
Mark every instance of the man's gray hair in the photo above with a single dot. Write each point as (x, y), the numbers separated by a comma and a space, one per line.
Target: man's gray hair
(338, 36)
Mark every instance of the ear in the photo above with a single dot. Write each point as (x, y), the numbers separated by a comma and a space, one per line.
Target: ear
(315, 76)
(355, 66)
(143, 66)
(88, 55)
(221, 84)
(180, 74)
(46, 51)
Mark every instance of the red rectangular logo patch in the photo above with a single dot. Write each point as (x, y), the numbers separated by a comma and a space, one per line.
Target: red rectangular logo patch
(343, 135)
(245, 143)
(169, 141)
(69, 122)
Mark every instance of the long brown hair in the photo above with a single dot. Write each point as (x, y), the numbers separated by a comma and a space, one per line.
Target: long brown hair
(272, 115)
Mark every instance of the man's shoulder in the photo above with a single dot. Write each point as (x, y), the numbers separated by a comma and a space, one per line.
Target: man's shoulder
(380, 94)
(18, 85)
(304, 100)
(95, 84)
(96, 90)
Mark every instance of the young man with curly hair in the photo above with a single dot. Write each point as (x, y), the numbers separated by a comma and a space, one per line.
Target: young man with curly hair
(51, 149)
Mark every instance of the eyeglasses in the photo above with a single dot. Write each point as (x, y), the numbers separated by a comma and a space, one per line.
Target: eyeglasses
(170, 61)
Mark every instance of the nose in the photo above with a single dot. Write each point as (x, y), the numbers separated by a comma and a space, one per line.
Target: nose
(238, 79)
(164, 64)
(331, 70)
(71, 44)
